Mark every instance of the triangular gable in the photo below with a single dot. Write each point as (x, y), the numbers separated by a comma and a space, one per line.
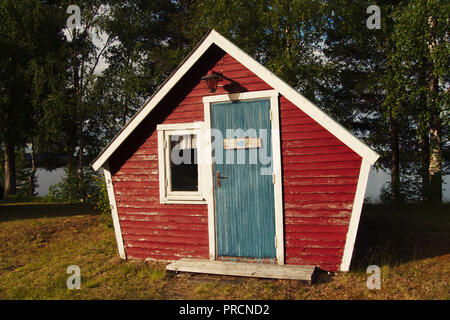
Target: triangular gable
(259, 70)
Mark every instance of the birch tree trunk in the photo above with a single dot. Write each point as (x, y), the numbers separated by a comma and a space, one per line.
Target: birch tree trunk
(435, 168)
(395, 161)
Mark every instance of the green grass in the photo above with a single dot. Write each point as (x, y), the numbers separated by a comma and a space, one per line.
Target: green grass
(39, 240)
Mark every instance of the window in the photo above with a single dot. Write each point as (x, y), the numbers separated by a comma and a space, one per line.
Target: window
(180, 174)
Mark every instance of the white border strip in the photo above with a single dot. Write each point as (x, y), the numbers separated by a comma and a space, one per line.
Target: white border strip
(272, 95)
(356, 214)
(114, 213)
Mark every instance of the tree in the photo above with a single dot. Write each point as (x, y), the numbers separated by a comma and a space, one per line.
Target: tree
(28, 31)
(146, 50)
(420, 59)
(360, 89)
(285, 36)
(70, 109)
(395, 80)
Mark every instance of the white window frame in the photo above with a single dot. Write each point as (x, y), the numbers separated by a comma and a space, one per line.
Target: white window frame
(167, 196)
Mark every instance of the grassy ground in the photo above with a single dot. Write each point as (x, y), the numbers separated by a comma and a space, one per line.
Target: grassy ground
(39, 240)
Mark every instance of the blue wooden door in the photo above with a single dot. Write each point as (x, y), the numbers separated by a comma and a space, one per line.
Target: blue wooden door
(244, 192)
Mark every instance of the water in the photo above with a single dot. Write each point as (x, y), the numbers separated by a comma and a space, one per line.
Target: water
(377, 179)
(46, 178)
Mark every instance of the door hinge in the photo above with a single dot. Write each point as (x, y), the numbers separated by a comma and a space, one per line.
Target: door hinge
(275, 238)
(270, 115)
(273, 178)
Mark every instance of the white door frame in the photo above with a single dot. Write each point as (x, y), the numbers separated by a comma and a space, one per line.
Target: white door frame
(208, 181)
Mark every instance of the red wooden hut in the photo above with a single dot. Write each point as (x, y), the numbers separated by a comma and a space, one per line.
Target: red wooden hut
(175, 191)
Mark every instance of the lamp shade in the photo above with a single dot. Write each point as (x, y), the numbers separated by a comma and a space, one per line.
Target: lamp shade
(212, 80)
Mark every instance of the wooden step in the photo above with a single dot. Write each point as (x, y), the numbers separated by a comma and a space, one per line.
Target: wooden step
(242, 269)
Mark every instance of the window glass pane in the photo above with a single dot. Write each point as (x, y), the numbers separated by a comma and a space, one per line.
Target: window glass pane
(183, 162)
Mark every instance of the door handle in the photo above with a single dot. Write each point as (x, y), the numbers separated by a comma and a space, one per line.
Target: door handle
(218, 178)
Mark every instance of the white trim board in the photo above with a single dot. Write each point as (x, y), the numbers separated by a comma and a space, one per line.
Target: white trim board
(284, 89)
(272, 96)
(356, 214)
(114, 212)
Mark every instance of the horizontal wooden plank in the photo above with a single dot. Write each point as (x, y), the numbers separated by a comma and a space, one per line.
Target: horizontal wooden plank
(165, 226)
(319, 260)
(135, 171)
(147, 183)
(305, 135)
(354, 164)
(299, 197)
(326, 212)
(189, 107)
(243, 80)
(187, 207)
(138, 201)
(169, 219)
(240, 73)
(299, 228)
(139, 254)
(320, 188)
(323, 236)
(192, 99)
(299, 143)
(147, 149)
(319, 205)
(180, 120)
(321, 220)
(294, 151)
(299, 158)
(301, 128)
(169, 211)
(323, 266)
(287, 110)
(319, 181)
(148, 231)
(163, 246)
(244, 269)
(166, 255)
(307, 258)
(135, 178)
(145, 157)
(130, 164)
(293, 118)
(292, 242)
(151, 189)
(202, 239)
(139, 194)
(229, 67)
(337, 252)
(320, 173)
(187, 116)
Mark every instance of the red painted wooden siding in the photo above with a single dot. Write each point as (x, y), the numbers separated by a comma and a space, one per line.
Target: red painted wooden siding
(320, 175)
(319, 178)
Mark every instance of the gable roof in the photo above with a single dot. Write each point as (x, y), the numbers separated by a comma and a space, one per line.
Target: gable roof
(213, 37)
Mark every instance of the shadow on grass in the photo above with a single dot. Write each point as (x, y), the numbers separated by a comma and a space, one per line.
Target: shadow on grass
(392, 235)
(10, 210)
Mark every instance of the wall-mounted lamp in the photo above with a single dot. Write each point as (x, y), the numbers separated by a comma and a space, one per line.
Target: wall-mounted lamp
(212, 80)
